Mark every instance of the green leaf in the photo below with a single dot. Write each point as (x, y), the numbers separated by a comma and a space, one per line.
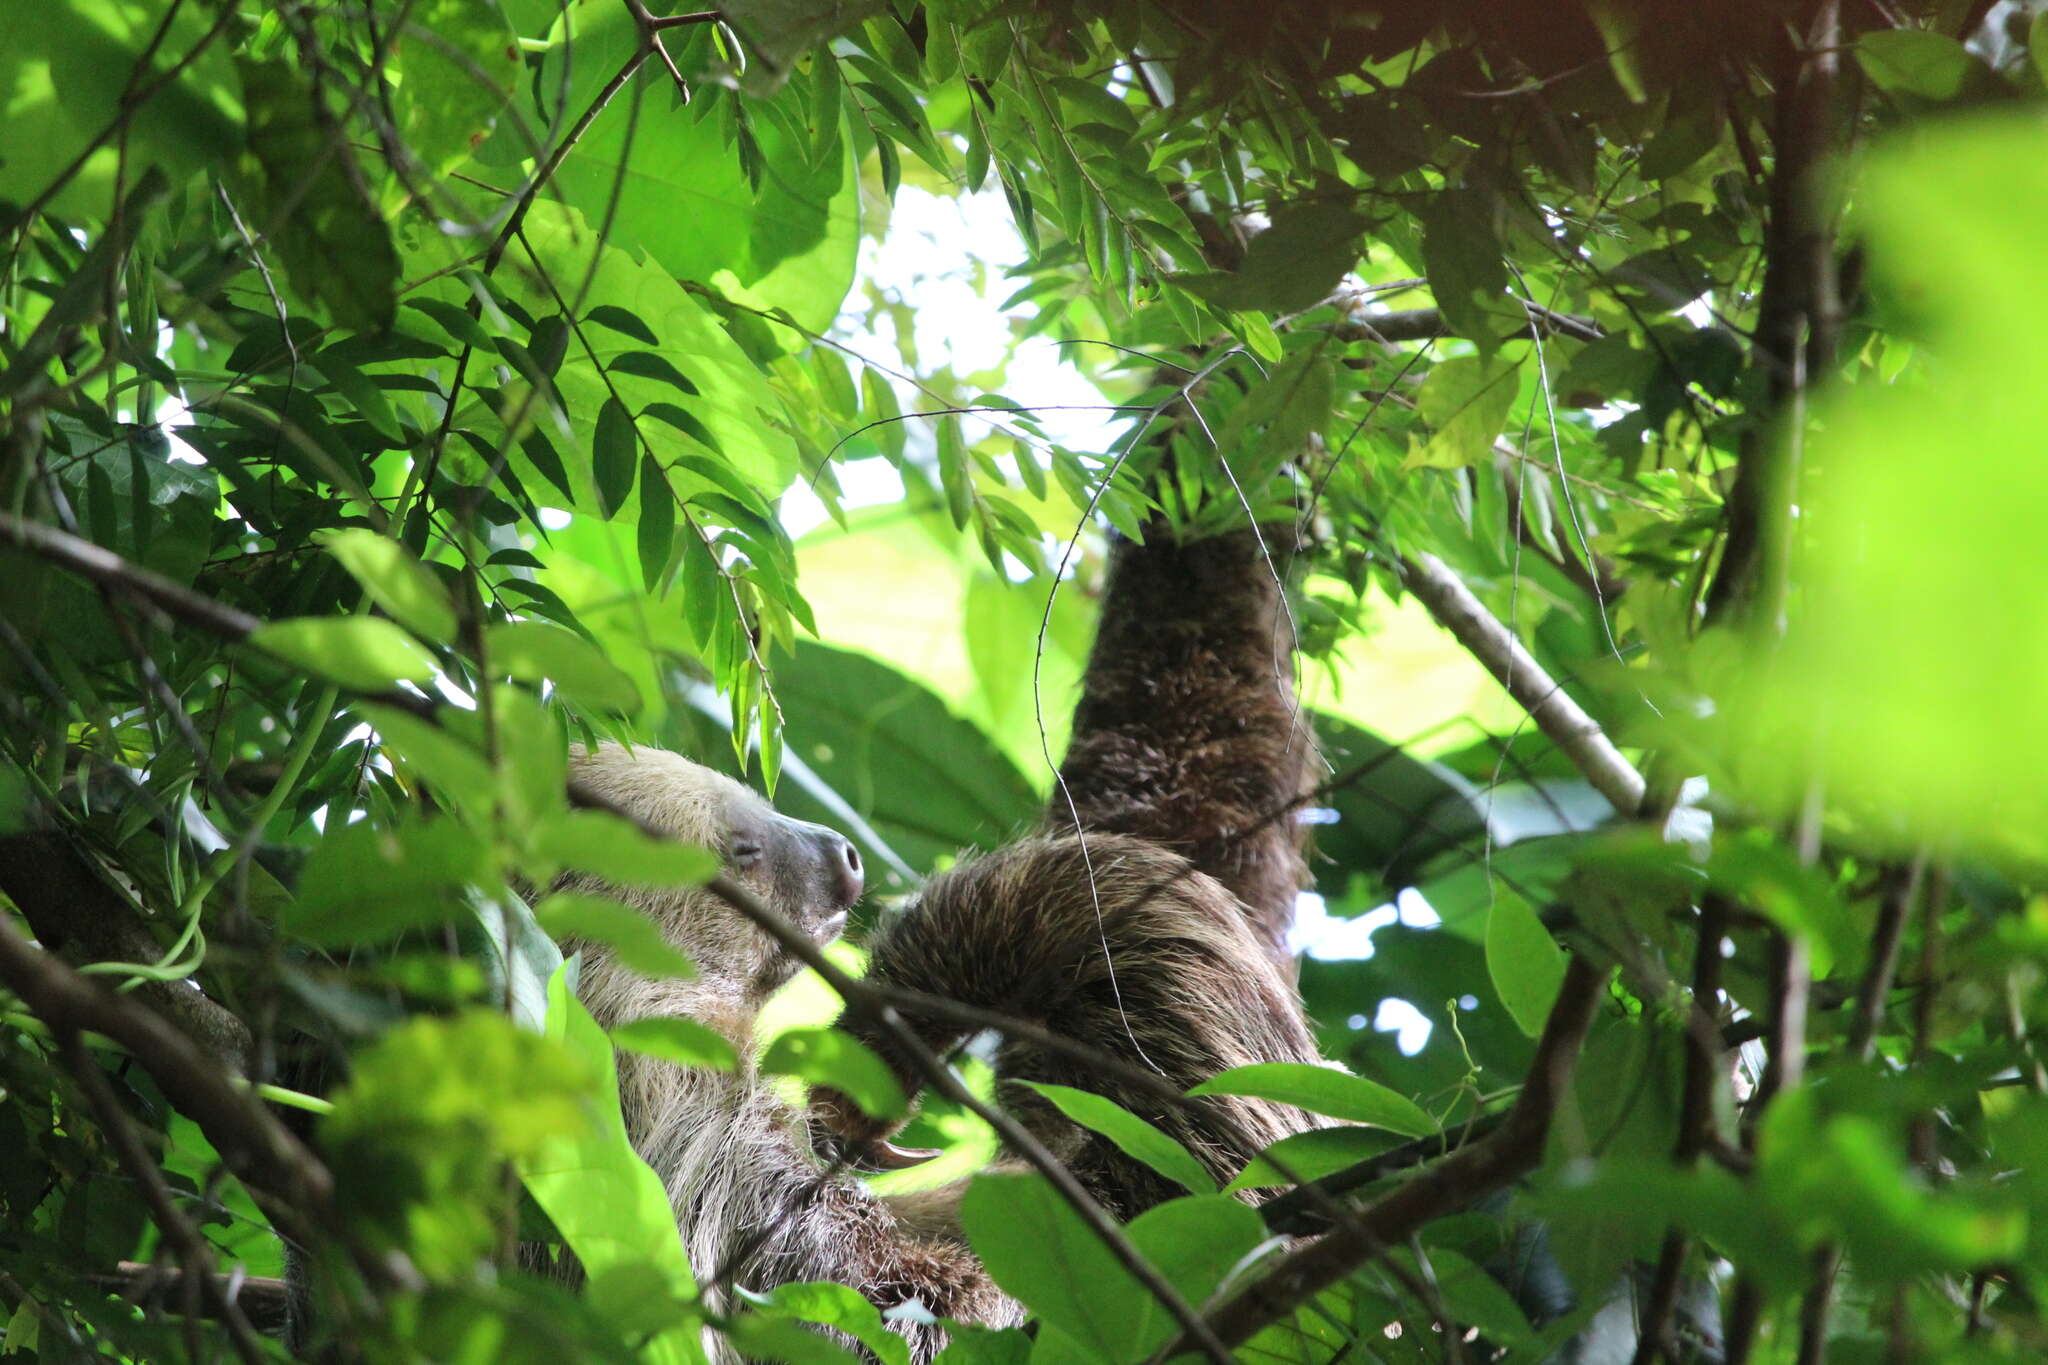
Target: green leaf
(366, 883)
(1933, 66)
(656, 533)
(839, 1307)
(1466, 401)
(395, 581)
(682, 421)
(66, 68)
(1323, 1090)
(879, 403)
(608, 1205)
(1462, 256)
(532, 651)
(1523, 959)
(1310, 1156)
(635, 939)
(686, 199)
(649, 365)
(362, 394)
(456, 769)
(673, 1039)
(1136, 1138)
(611, 457)
(363, 652)
(1038, 1249)
(824, 1056)
(457, 63)
(623, 322)
(736, 394)
(601, 843)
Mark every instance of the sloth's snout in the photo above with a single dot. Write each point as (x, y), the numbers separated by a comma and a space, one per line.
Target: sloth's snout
(842, 867)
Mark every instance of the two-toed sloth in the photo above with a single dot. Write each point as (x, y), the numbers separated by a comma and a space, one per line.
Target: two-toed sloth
(1156, 937)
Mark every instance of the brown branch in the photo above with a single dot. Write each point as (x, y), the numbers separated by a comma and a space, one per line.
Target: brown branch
(70, 908)
(1696, 1136)
(105, 569)
(1427, 324)
(1799, 319)
(255, 1146)
(1577, 735)
(1509, 1153)
(264, 1301)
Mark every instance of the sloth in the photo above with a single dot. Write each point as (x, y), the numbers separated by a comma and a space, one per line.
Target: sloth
(1184, 988)
(1145, 919)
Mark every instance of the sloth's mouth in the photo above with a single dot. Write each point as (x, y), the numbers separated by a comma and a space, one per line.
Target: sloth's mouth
(832, 928)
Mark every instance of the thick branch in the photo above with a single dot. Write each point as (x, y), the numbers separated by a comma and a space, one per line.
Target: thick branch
(1577, 735)
(1799, 316)
(255, 1146)
(192, 1249)
(265, 1302)
(104, 568)
(70, 909)
(1510, 1152)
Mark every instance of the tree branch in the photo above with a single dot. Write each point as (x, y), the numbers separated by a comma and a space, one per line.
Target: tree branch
(1577, 735)
(68, 906)
(177, 1230)
(1427, 324)
(255, 1146)
(1799, 318)
(103, 568)
(1508, 1153)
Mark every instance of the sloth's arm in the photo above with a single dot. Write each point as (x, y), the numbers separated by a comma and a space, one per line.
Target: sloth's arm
(1188, 732)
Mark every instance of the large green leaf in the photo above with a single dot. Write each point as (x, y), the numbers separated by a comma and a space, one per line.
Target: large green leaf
(64, 67)
(339, 251)
(1136, 1138)
(608, 1205)
(1324, 1090)
(1037, 1248)
(685, 197)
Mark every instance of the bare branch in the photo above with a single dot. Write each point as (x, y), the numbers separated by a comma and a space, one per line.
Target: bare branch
(67, 906)
(1427, 324)
(1511, 1151)
(103, 568)
(1567, 725)
(255, 1146)
(1799, 317)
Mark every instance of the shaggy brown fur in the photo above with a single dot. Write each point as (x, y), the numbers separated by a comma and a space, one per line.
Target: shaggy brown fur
(1192, 994)
(1187, 732)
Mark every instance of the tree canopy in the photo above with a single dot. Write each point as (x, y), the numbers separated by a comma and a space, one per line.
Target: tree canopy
(395, 393)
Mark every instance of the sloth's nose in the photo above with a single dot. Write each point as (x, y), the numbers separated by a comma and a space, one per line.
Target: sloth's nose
(842, 868)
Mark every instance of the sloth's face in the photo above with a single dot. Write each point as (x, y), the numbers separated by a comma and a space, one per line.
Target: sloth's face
(809, 874)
